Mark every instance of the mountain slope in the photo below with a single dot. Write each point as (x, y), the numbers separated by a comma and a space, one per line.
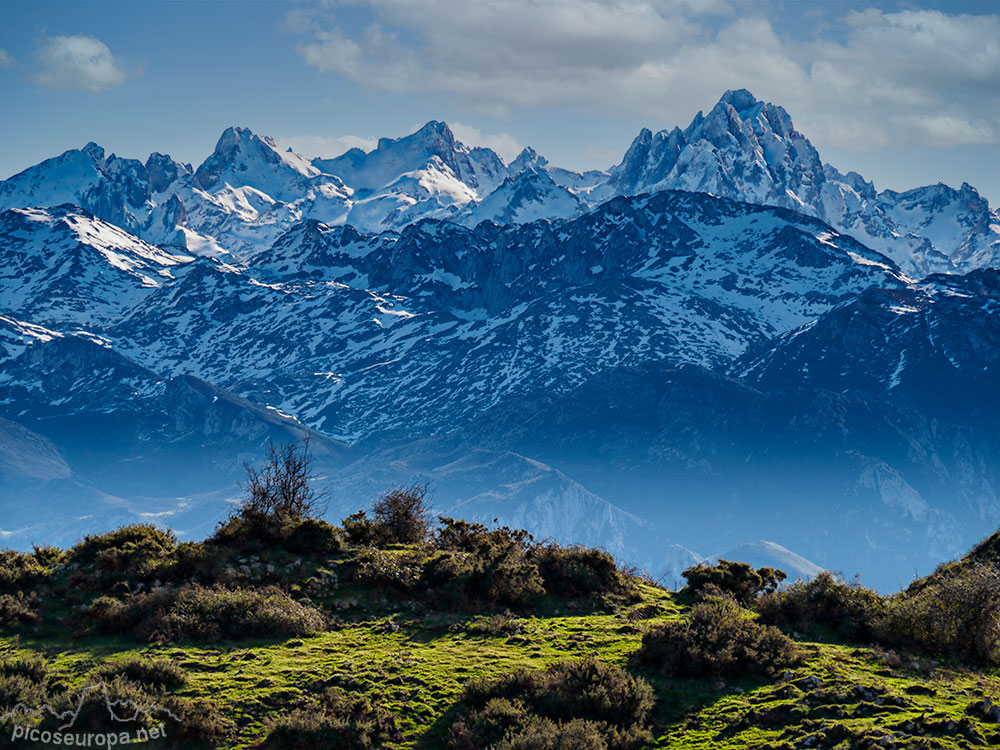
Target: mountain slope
(402, 331)
(63, 266)
(749, 150)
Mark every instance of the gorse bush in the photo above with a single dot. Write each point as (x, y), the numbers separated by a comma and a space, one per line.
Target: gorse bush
(717, 639)
(384, 569)
(849, 610)
(579, 571)
(259, 533)
(468, 580)
(18, 609)
(572, 704)
(210, 614)
(475, 538)
(334, 720)
(956, 614)
(20, 570)
(360, 529)
(134, 551)
(736, 579)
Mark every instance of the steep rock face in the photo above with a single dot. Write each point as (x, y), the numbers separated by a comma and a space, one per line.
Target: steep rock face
(935, 344)
(749, 150)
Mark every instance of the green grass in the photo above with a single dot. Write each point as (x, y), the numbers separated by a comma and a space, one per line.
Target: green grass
(413, 657)
(416, 666)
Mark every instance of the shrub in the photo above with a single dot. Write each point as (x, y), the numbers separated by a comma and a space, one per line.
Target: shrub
(278, 495)
(198, 720)
(155, 673)
(22, 681)
(314, 536)
(335, 719)
(135, 550)
(488, 544)
(19, 570)
(255, 533)
(463, 579)
(388, 569)
(17, 609)
(359, 529)
(737, 579)
(954, 615)
(32, 667)
(282, 487)
(134, 707)
(403, 514)
(717, 639)
(572, 704)
(848, 609)
(578, 571)
(196, 612)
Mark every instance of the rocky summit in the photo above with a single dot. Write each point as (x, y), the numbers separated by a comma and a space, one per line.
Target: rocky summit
(720, 343)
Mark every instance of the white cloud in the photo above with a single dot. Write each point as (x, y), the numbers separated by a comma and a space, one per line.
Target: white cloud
(78, 63)
(506, 145)
(913, 77)
(325, 147)
(6, 60)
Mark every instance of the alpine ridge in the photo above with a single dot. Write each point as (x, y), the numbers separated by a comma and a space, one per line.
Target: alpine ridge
(721, 322)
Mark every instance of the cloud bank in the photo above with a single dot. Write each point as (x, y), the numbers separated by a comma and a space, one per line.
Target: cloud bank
(869, 79)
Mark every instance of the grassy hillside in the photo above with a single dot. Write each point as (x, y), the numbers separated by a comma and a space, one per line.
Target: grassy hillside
(282, 631)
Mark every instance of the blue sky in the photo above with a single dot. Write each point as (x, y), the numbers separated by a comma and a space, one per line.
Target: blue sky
(904, 93)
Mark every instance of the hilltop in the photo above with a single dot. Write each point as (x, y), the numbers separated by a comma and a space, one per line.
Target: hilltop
(389, 631)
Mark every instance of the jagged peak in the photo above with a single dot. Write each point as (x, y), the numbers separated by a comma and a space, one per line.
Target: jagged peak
(94, 151)
(739, 99)
(527, 159)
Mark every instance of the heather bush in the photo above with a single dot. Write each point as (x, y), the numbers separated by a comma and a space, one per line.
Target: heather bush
(335, 719)
(848, 609)
(736, 579)
(717, 639)
(956, 614)
(151, 672)
(18, 609)
(209, 614)
(572, 704)
(32, 667)
(579, 571)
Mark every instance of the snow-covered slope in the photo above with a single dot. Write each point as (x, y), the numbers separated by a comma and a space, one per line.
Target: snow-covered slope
(64, 267)
(426, 328)
(749, 150)
(529, 196)
(248, 191)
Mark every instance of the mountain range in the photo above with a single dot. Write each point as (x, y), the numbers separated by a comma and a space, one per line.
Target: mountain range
(718, 341)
